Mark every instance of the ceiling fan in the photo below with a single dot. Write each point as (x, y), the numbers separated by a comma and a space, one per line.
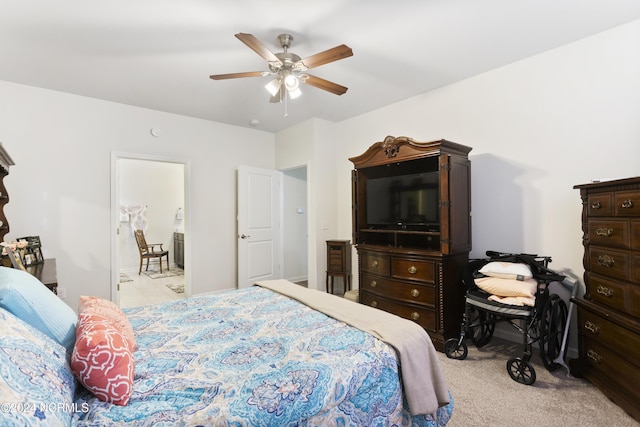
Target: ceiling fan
(289, 69)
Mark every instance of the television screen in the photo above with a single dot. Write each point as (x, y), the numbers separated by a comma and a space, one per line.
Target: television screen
(405, 201)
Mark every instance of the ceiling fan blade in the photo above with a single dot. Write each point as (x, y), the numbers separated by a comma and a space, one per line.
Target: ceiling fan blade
(323, 84)
(330, 55)
(238, 75)
(258, 47)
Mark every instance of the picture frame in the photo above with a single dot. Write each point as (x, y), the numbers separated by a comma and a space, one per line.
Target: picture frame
(32, 254)
(37, 253)
(16, 262)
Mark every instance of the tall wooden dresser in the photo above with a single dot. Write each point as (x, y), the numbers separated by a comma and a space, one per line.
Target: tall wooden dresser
(609, 312)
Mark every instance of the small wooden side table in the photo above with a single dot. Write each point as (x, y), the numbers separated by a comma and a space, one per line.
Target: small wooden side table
(46, 272)
(339, 263)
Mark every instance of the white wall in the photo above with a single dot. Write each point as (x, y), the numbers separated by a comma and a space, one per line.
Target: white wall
(312, 143)
(295, 242)
(160, 187)
(537, 127)
(60, 185)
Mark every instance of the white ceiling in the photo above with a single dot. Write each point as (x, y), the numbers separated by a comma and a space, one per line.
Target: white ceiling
(159, 54)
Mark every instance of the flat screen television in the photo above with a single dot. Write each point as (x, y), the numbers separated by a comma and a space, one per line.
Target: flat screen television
(407, 201)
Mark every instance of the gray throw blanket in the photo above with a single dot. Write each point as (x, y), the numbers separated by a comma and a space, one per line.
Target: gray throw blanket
(423, 380)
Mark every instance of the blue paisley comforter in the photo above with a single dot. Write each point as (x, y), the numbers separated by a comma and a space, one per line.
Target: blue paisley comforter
(253, 357)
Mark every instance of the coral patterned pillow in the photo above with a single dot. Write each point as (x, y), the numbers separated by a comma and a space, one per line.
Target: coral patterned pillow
(106, 308)
(102, 359)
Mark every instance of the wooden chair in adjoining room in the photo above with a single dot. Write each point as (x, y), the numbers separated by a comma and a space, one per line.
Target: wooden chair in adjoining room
(149, 251)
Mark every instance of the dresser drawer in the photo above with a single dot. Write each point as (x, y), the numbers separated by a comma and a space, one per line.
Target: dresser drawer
(412, 269)
(635, 269)
(611, 367)
(609, 262)
(421, 315)
(415, 293)
(600, 204)
(336, 263)
(635, 234)
(608, 292)
(610, 335)
(610, 233)
(376, 263)
(627, 203)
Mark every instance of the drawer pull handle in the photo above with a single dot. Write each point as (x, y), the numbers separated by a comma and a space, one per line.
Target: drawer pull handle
(604, 232)
(374, 263)
(604, 291)
(415, 293)
(594, 356)
(605, 261)
(374, 303)
(415, 316)
(596, 205)
(412, 270)
(374, 283)
(627, 204)
(592, 327)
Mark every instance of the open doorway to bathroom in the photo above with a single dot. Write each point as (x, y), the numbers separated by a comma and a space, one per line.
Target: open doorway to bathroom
(151, 197)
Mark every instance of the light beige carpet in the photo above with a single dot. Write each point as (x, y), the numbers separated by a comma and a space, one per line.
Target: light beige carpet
(485, 394)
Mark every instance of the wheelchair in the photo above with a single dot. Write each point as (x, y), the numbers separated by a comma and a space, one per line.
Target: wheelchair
(544, 323)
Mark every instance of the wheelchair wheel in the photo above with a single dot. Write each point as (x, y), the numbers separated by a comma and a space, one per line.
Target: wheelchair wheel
(481, 327)
(521, 371)
(552, 325)
(453, 350)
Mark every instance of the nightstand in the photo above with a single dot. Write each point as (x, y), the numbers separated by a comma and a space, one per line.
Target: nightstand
(339, 263)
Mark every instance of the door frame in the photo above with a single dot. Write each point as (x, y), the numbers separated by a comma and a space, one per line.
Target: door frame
(115, 214)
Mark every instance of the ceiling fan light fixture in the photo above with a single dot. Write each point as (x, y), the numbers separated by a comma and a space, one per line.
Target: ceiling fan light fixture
(291, 82)
(294, 93)
(273, 87)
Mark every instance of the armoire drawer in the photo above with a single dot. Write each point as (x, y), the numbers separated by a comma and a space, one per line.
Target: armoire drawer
(375, 263)
(412, 269)
(415, 293)
(421, 315)
(610, 335)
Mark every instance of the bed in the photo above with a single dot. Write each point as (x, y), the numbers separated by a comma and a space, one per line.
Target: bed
(252, 357)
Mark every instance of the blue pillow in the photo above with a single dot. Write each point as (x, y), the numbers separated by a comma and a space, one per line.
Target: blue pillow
(36, 377)
(28, 299)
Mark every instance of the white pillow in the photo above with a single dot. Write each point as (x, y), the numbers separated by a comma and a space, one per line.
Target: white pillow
(508, 287)
(507, 270)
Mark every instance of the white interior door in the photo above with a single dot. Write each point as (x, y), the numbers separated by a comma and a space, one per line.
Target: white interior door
(259, 240)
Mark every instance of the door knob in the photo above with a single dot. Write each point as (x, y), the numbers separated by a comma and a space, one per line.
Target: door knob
(244, 236)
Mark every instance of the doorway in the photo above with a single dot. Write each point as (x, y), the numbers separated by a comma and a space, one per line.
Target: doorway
(295, 220)
(148, 193)
(273, 240)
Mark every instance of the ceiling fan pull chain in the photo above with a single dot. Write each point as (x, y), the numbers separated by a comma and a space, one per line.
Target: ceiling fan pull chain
(286, 111)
